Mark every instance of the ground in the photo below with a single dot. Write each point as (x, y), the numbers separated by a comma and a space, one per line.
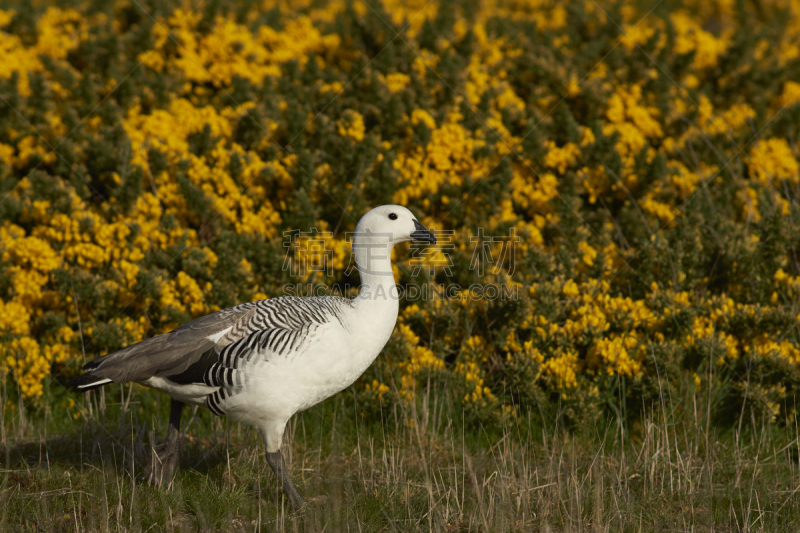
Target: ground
(670, 471)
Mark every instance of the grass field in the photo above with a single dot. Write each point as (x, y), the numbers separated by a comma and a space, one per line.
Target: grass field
(670, 471)
(609, 333)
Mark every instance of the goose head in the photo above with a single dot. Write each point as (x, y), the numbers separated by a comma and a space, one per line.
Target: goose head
(392, 224)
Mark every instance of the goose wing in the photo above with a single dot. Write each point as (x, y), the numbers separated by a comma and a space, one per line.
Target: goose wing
(185, 355)
(172, 353)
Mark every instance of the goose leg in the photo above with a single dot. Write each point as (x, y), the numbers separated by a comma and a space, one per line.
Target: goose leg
(165, 457)
(275, 460)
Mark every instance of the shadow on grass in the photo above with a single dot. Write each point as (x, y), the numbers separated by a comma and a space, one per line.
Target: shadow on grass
(125, 448)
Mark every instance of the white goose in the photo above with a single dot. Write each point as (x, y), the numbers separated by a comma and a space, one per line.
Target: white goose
(262, 362)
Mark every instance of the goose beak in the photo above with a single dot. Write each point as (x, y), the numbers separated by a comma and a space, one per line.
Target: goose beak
(421, 234)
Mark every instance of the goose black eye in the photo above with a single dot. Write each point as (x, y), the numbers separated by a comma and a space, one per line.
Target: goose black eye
(392, 216)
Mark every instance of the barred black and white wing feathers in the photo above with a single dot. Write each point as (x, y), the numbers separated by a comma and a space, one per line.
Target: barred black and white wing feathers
(284, 326)
(224, 373)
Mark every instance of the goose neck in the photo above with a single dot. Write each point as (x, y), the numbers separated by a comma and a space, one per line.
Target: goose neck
(373, 257)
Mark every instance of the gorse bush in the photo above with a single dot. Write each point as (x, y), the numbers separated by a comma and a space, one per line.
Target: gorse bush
(615, 187)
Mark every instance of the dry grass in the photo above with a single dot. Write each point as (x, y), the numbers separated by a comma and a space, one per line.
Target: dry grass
(670, 471)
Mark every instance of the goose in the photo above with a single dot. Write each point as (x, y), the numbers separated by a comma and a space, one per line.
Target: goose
(261, 362)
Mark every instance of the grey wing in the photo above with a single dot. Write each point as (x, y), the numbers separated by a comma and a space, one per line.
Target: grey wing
(176, 353)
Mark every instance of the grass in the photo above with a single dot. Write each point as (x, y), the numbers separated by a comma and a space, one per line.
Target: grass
(669, 471)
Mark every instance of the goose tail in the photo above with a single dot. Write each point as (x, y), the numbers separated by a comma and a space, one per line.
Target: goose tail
(88, 381)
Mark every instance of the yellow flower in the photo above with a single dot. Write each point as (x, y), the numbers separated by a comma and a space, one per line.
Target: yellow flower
(772, 159)
(420, 115)
(563, 370)
(14, 318)
(570, 288)
(691, 37)
(791, 94)
(588, 254)
(561, 158)
(351, 125)
(397, 81)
